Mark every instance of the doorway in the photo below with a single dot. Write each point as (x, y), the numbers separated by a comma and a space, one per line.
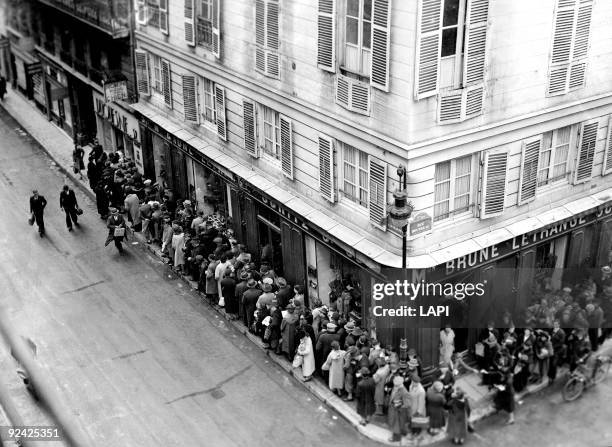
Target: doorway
(270, 243)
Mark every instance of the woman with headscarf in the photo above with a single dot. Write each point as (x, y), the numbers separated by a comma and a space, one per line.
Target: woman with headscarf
(435, 402)
(399, 405)
(458, 415)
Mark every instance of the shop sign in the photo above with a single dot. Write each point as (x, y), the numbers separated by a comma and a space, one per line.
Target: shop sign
(518, 243)
(115, 91)
(118, 117)
(421, 223)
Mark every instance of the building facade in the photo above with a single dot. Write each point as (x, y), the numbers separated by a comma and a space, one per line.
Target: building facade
(291, 119)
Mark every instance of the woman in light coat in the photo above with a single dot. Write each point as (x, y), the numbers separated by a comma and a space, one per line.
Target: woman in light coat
(417, 400)
(178, 246)
(335, 365)
(380, 377)
(447, 345)
(306, 350)
(399, 405)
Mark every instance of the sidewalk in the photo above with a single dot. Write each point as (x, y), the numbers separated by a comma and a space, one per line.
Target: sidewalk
(59, 146)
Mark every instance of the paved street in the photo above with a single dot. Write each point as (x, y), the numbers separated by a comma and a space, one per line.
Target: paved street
(138, 359)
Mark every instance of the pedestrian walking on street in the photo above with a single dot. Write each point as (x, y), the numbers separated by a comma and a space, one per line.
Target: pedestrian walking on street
(77, 160)
(37, 208)
(116, 229)
(2, 87)
(68, 203)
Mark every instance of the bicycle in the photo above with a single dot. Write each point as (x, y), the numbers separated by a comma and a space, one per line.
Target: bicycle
(579, 379)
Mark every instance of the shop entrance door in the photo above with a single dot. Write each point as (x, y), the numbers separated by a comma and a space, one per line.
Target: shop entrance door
(293, 252)
(270, 242)
(178, 174)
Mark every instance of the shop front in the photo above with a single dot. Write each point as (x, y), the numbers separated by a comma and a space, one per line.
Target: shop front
(118, 129)
(58, 106)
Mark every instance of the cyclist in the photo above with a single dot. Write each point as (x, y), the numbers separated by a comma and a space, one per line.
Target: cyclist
(580, 351)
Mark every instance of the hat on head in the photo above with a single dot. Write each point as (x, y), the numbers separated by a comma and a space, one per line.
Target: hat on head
(363, 372)
(412, 352)
(438, 386)
(187, 202)
(147, 182)
(113, 210)
(459, 393)
(35, 191)
(413, 363)
(267, 280)
(199, 258)
(567, 289)
(266, 287)
(398, 380)
(251, 283)
(290, 307)
(606, 269)
(281, 282)
(331, 327)
(244, 275)
(415, 378)
(357, 332)
(348, 327)
(352, 351)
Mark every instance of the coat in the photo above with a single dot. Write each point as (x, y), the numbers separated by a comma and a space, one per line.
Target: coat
(112, 222)
(364, 391)
(178, 244)
(335, 365)
(380, 376)
(228, 290)
(68, 200)
(435, 408)
(306, 350)
(458, 414)
(132, 206)
(399, 405)
(211, 282)
(447, 345)
(323, 347)
(37, 205)
(288, 333)
(417, 399)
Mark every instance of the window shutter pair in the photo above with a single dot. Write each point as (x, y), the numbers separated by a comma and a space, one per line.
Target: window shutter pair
(586, 153)
(142, 72)
(570, 45)
(493, 184)
(380, 40)
(458, 105)
(352, 94)
(163, 16)
(530, 158)
(607, 167)
(429, 41)
(189, 15)
(166, 82)
(267, 58)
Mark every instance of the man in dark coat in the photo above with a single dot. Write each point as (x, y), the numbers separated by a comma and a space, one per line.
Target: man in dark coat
(323, 347)
(365, 395)
(115, 221)
(241, 287)
(228, 291)
(101, 200)
(68, 203)
(557, 338)
(285, 292)
(249, 302)
(37, 207)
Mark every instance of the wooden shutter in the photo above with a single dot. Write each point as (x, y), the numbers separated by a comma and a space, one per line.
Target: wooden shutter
(378, 192)
(494, 184)
(141, 12)
(474, 100)
(142, 72)
(429, 41)
(450, 106)
(475, 42)
(326, 168)
(529, 171)
(250, 139)
(260, 35)
(166, 73)
(326, 35)
(216, 28)
(607, 165)
(563, 35)
(189, 22)
(352, 94)
(586, 153)
(581, 45)
(342, 91)
(163, 16)
(272, 40)
(381, 39)
(221, 115)
(286, 141)
(190, 102)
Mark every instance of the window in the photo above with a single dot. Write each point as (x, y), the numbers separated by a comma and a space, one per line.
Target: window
(554, 154)
(355, 175)
(450, 27)
(452, 187)
(358, 37)
(153, 13)
(157, 74)
(270, 135)
(204, 30)
(208, 101)
(267, 59)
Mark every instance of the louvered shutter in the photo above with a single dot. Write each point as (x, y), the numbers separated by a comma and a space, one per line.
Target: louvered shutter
(378, 192)
(189, 22)
(586, 153)
(272, 42)
(529, 171)
(326, 35)
(286, 145)
(260, 35)
(142, 72)
(563, 36)
(429, 40)
(494, 184)
(326, 168)
(607, 165)
(474, 100)
(475, 42)
(581, 45)
(166, 82)
(220, 109)
(381, 39)
(342, 91)
(450, 106)
(250, 139)
(352, 94)
(163, 16)
(190, 102)
(141, 12)
(216, 28)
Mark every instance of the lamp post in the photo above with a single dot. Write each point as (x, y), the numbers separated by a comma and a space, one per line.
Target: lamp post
(401, 210)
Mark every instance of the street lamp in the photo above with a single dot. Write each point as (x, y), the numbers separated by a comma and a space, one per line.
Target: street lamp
(401, 210)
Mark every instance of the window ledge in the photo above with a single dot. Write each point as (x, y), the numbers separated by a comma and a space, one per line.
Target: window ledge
(452, 221)
(348, 203)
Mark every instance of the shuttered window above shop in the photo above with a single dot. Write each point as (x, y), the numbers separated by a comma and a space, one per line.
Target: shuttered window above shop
(142, 72)
(190, 98)
(267, 39)
(570, 45)
(353, 94)
(586, 152)
(529, 171)
(208, 25)
(494, 184)
(189, 21)
(607, 165)
(326, 168)
(554, 155)
(453, 187)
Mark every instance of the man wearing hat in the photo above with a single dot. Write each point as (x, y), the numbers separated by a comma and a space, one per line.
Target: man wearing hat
(249, 303)
(267, 298)
(323, 347)
(285, 292)
(364, 392)
(241, 287)
(116, 229)
(37, 208)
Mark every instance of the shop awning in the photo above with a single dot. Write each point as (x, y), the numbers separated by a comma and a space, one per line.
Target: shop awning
(359, 241)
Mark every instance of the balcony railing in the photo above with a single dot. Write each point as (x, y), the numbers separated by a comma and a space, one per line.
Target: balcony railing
(111, 16)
